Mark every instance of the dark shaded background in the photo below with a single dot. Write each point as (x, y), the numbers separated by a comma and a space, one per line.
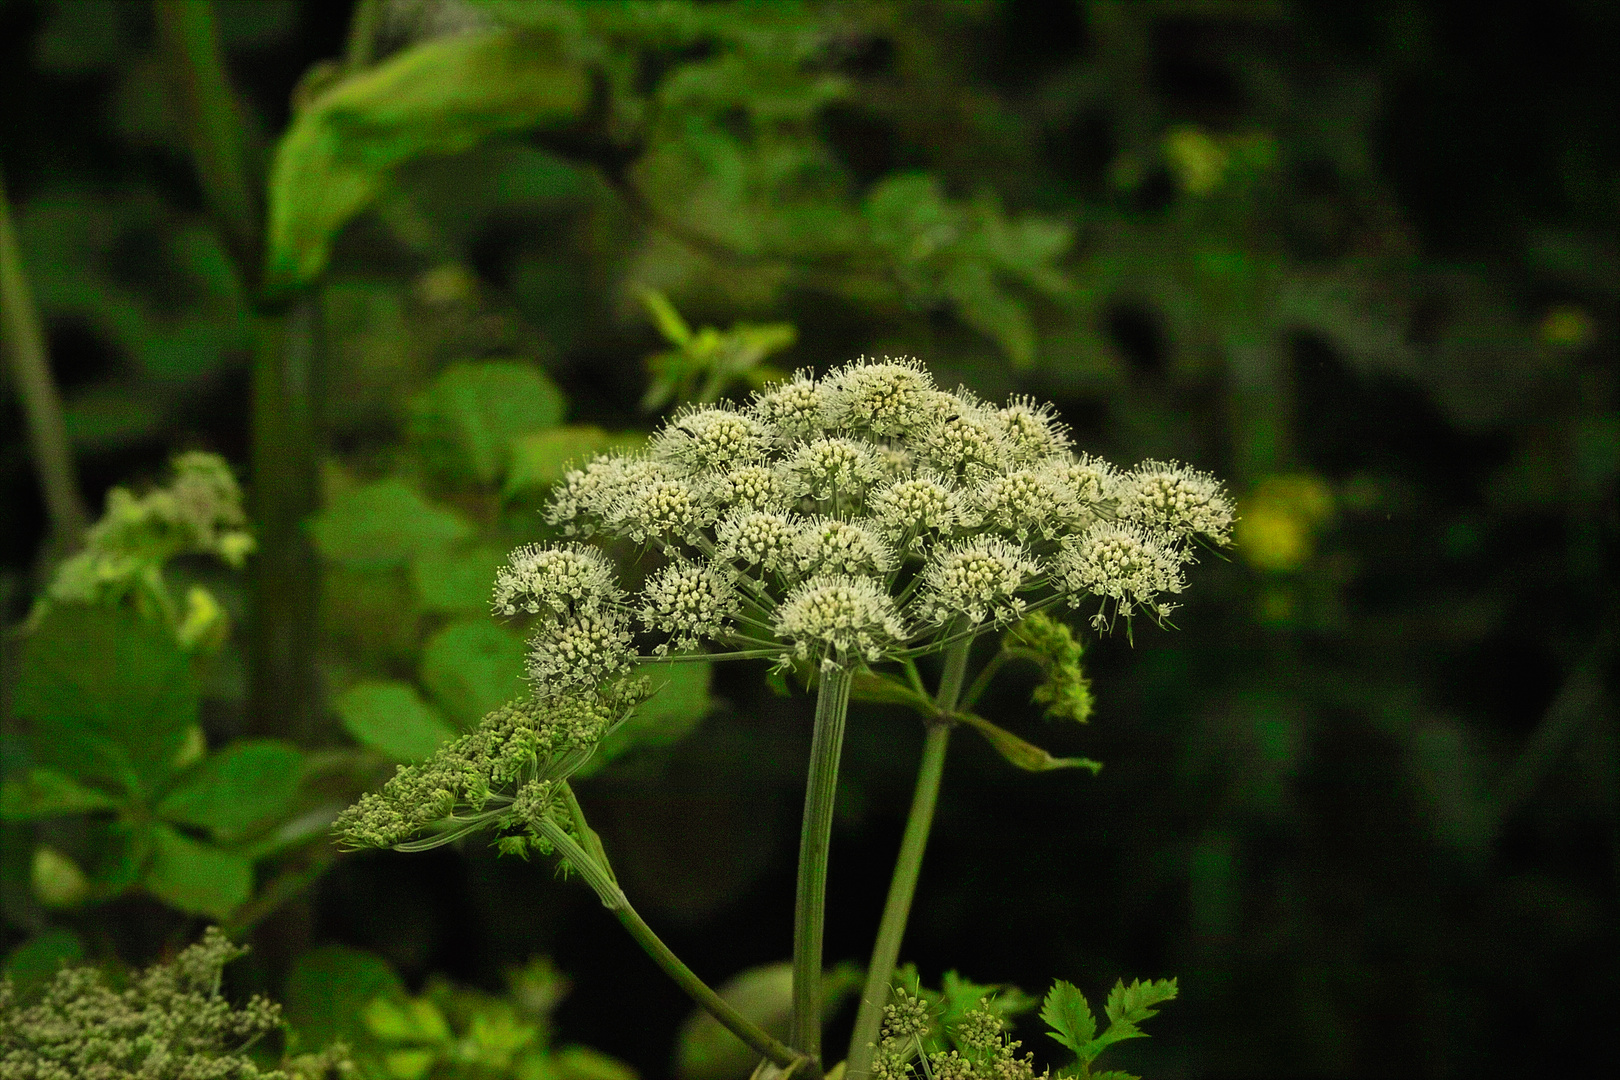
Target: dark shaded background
(1363, 804)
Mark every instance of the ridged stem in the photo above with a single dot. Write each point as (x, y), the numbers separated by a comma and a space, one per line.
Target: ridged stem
(907, 869)
(815, 838)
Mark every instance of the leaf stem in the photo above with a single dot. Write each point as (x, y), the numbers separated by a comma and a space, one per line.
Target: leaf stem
(25, 344)
(601, 880)
(810, 906)
(907, 869)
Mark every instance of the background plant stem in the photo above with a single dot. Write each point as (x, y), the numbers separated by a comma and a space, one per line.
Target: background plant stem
(47, 433)
(907, 868)
(810, 906)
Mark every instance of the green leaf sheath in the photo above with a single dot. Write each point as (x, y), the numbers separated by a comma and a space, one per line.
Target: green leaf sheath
(809, 913)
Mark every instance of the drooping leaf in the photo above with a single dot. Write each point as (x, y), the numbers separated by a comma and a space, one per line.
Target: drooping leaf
(438, 97)
(391, 718)
(105, 695)
(472, 668)
(464, 423)
(46, 793)
(195, 877)
(679, 702)
(1025, 755)
(456, 580)
(1068, 1016)
(327, 990)
(544, 457)
(383, 524)
(245, 784)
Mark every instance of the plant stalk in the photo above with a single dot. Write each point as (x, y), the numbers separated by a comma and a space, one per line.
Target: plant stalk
(47, 433)
(815, 837)
(600, 879)
(907, 869)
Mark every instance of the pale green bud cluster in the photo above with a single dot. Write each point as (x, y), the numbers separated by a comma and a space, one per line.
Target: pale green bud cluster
(860, 517)
(526, 745)
(982, 1050)
(168, 1023)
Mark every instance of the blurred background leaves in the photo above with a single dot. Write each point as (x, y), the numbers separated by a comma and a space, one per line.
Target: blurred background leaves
(1359, 260)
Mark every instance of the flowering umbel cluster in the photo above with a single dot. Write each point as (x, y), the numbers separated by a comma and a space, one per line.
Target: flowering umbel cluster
(862, 517)
(982, 1050)
(169, 1023)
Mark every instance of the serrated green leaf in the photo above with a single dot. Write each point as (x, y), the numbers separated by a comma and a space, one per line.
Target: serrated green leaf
(1025, 755)
(197, 878)
(46, 793)
(327, 990)
(960, 996)
(245, 784)
(1069, 1016)
(464, 423)
(543, 457)
(122, 718)
(679, 702)
(438, 97)
(666, 318)
(456, 580)
(1134, 1003)
(383, 524)
(391, 718)
(472, 668)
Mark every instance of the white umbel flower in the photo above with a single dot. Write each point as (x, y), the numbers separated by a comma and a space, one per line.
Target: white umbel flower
(840, 620)
(895, 397)
(791, 409)
(1122, 562)
(830, 546)
(1032, 432)
(830, 468)
(587, 495)
(579, 653)
(713, 437)
(660, 509)
(1026, 503)
(750, 487)
(1089, 481)
(1172, 498)
(558, 579)
(756, 538)
(966, 440)
(918, 509)
(978, 579)
(688, 601)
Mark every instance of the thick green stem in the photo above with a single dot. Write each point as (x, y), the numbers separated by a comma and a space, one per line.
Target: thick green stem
(815, 838)
(897, 909)
(42, 406)
(601, 880)
(283, 687)
(907, 869)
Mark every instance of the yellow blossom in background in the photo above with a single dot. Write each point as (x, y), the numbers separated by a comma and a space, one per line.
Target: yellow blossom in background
(1197, 160)
(1277, 523)
(1566, 327)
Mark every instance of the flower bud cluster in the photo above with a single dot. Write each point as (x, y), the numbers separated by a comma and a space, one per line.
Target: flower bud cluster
(862, 516)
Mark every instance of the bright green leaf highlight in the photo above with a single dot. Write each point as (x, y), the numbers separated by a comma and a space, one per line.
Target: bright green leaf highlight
(464, 423)
(197, 878)
(439, 97)
(121, 718)
(245, 784)
(473, 668)
(391, 718)
(405, 1020)
(383, 524)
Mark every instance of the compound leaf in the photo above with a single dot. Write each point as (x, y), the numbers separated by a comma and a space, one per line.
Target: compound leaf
(391, 718)
(1069, 1017)
(195, 877)
(383, 524)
